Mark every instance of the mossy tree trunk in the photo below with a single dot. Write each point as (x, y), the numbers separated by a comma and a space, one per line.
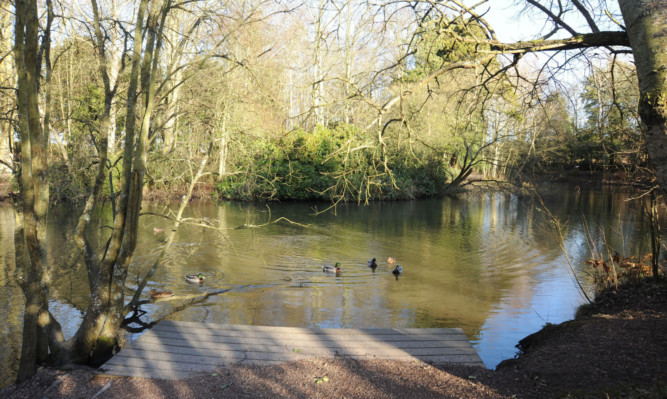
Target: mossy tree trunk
(30, 240)
(646, 24)
(98, 333)
(107, 271)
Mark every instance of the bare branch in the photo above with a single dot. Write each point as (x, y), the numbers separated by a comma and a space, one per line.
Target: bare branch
(584, 12)
(599, 39)
(555, 18)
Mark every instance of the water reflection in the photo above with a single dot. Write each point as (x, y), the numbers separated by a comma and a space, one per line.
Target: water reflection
(486, 264)
(11, 299)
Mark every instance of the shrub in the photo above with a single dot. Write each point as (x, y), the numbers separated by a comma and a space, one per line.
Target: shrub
(327, 164)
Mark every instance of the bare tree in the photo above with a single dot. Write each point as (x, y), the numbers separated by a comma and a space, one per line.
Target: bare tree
(107, 269)
(32, 267)
(643, 33)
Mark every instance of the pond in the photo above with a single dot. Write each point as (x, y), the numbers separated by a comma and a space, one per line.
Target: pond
(486, 263)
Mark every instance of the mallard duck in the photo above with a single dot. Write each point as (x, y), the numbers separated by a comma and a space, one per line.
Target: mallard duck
(391, 260)
(194, 278)
(398, 270)
(160, 294)
(372, 264)
(332, 269)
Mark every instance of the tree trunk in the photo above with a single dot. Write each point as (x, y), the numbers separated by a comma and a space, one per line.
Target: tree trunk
(646, 23)
(169, 130)
(34, 347)
(97, 336)
(34, 188)
(222, 165)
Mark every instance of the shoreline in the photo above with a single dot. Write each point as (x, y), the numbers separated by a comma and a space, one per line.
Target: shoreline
(613, 347)
(207, 190)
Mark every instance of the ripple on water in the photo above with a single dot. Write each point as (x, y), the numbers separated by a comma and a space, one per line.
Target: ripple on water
(476, 263)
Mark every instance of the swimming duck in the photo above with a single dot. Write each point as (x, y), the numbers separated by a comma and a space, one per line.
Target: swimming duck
(332, 269)
(194, 278)
(160, 294)
(391, 260)
(372, 264)
(398, 270)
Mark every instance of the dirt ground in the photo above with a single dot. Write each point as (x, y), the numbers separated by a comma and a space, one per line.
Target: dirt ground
(615, 348)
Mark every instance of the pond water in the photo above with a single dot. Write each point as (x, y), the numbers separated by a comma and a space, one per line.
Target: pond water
(486, 263)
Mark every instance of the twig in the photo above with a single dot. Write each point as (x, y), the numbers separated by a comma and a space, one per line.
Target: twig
(172, 233)
(254, 226)
(559, 238)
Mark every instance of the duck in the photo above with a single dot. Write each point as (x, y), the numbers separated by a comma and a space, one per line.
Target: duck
(194, 278)
(155, 294)
(398, 270)
(372, 264)
(391, 260)
(332, 269)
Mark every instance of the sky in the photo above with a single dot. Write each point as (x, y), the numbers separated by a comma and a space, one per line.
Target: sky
(510, 25)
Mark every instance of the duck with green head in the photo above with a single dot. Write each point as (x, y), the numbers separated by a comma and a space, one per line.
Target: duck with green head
(195, 278)
(332, 269)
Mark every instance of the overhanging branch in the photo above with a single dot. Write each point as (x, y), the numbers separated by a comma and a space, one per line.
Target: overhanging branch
(599, 39)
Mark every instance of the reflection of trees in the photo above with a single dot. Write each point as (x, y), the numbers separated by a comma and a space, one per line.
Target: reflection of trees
(135, 324)
(463, 256)
(11, 299)
(608, 213)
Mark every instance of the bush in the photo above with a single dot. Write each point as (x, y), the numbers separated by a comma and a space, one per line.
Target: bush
(321, 165)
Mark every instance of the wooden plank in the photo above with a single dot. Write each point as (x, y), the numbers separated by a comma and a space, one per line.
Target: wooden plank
(321, 350)
(181, 349)
(211, 358)
(173, 374)
(199, 334)
(215, 358)
(187, 326)
(278, 340)
(138, 362)
(243, 327)
(280, 344)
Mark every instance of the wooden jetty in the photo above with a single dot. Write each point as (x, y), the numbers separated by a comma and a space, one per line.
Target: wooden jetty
(176, 350)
